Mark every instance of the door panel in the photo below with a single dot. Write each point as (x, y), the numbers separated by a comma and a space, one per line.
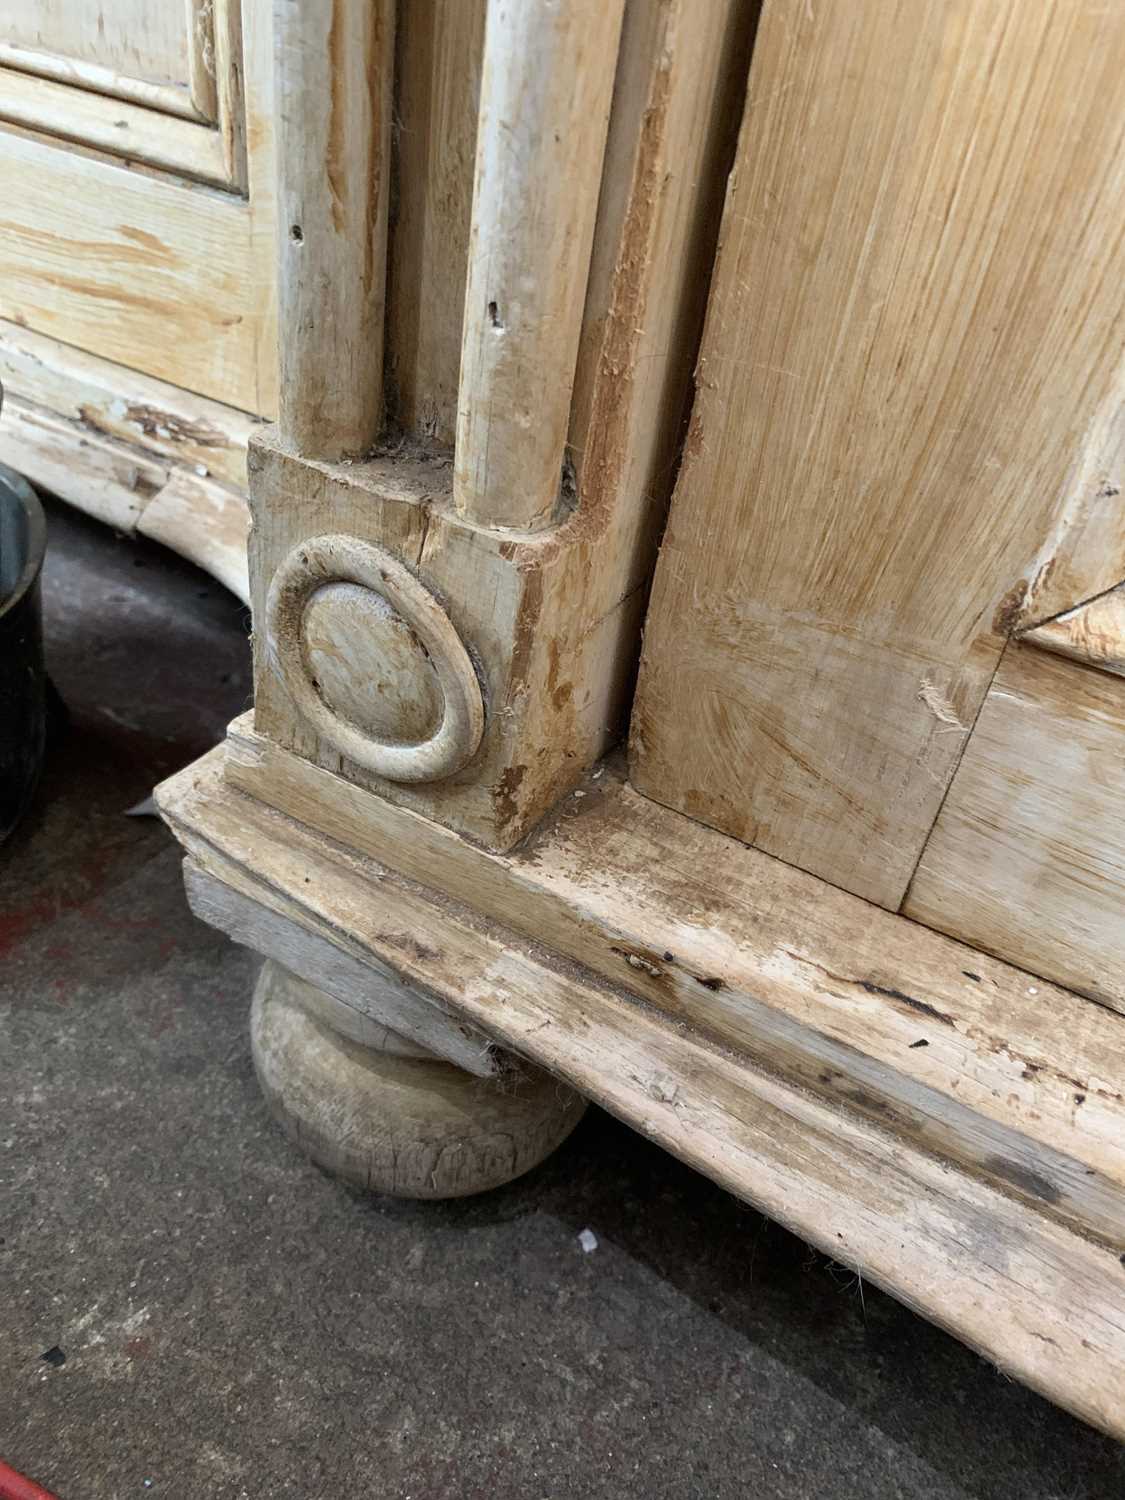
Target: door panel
(149, 39)
(106, 88)
(112, 237)
(913, 342)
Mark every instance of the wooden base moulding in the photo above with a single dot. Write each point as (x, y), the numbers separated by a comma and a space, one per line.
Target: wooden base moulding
(918, 1110)
(138, 453)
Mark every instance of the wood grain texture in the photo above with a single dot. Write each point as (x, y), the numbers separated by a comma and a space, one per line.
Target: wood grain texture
(402, 506)
(202, 80)
(913, 331)
(1039, 1300)
(146, 38)
(1027, 859)
(116, 126)
(168, 98)
(357, 603)
(546, 91)
(320, 1005)
(437, 96)
(133, 260)
(131, 488)
(204, 521)
(199, 136)
(1084, 554)
(219, 70)
(960, 1053)
(333, 90)
(676, 107)
(111, 401)
(372, 993)
(104, 478)
(1093, 634)
(99, 255)
(553, 619)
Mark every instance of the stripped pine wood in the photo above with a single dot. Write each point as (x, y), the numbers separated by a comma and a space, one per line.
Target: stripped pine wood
(545, 105)
(1085, 553)
(931, 1234)
(202, 63)
(138, 453)
(219, 80)
(111, 401)
(323, 1009)
(166, 126)
(371, 992)
(104, 478)
(1094, 633)
(965, 1055)
(131, 489)
(437, 97)
(551, 619)
(676, 106)
(151, 40)
(1027, 859)
(133, 258)
(100, 78)
(334, 84)
(151, 271)
(115, 126)
(393, 1123)
(914, 330)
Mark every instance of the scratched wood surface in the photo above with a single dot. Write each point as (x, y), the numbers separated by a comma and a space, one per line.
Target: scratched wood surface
(546, 94)
(1027, 858)
(912, 352)
(332, 87)
(973, 1058)
(993, 1266)
(551, 619)
(1094, 633)
(138, 453)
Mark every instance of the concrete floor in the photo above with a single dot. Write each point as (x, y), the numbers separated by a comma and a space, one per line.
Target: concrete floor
(234, 1324)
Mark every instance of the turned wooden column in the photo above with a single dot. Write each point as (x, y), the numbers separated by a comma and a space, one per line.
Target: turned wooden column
(334, 80)
(545, 101)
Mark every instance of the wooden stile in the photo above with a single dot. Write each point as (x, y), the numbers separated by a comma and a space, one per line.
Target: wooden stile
(439, 47)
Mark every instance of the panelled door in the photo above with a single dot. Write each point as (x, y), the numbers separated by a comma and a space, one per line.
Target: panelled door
(136, 166)
(908, 442)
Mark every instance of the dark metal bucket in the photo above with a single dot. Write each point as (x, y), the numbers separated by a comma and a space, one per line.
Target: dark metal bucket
(23, 681)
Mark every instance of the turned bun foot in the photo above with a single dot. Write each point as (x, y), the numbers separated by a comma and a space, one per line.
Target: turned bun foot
(391, 1118)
